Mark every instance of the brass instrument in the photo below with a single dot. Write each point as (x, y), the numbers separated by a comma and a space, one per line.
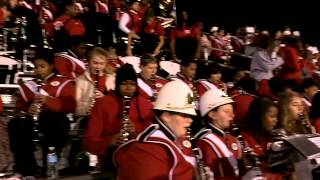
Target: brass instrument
(250, 159)
(201, 171)
(125, 119)
(95, 88)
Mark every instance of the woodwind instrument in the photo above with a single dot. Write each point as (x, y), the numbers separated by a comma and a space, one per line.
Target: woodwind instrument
(201, 171)
(126, 119)
(249, 158)
(95, 88)
(35, 115)
(306, 124)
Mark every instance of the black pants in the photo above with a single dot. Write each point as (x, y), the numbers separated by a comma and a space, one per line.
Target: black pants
(53, 126)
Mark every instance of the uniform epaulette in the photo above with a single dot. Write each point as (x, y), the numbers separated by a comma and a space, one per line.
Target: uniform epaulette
(142, 137)
(203, 132)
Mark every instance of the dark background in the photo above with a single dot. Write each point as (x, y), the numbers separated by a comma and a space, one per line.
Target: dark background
(268, 14)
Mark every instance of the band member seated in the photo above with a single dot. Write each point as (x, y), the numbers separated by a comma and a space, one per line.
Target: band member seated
(45, 101)
(117, 118)
(94, 83)
(69, 63)
(221, 151)
(149, 83)
(212, 82)
(163, 150)
(261, 121)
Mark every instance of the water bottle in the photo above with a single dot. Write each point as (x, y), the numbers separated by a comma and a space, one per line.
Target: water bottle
(52, 164)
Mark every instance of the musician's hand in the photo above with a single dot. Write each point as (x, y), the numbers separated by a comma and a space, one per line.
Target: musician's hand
(131, 128)
(209, 173)
(33, 109)
(42, 99)
(98, 94)
(117, 140)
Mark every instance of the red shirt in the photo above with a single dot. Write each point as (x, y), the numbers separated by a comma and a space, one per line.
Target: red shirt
(135, 22)
(154, 27)
(73, 26)
(185, 32)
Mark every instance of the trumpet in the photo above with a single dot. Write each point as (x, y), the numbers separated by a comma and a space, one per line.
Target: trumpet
(126, 119)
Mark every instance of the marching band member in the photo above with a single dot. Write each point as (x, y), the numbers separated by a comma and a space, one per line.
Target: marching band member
(152, 35)
(114, 61)
(162, 151)
(149, 83)
(94, 83)
(185, 37)
(48, 103)
(212, 82)
(309, 88)
(69, 63)
(113, 121)
(262, 119)
(131, 22)
(220, 150)
(293, 115)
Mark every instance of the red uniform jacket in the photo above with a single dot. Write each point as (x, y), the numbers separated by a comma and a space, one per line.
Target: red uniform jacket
(105, 121)
(154, 28)
(73, 26)
(242, 103)
(292, 67)
(155, 154)
(150, 88)
(220, 152)
(68, 65)
(203, 85)
(61, 92)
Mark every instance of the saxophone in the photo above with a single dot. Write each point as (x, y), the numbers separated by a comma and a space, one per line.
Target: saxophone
(201, 171)
(126, 119)
(250, 159)
(95, 88)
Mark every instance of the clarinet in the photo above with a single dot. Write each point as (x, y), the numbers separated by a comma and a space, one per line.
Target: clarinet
(95, 88)
(35, 115)
(125, 118)
(250, 159)
(201, 171)
(306, 124)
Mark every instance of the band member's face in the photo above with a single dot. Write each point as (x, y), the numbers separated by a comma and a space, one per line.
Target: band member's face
(150, 70)
(128, 88)
(136, 6)
(215, 77)
(177, 122)
(97, 62)
(296, 106)
(43, 68)
(73, 10)
(81, 50)
(189, 71)
(222, 117)
(271, 118)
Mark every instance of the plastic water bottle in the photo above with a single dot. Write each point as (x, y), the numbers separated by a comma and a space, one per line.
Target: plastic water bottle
(52, 164)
